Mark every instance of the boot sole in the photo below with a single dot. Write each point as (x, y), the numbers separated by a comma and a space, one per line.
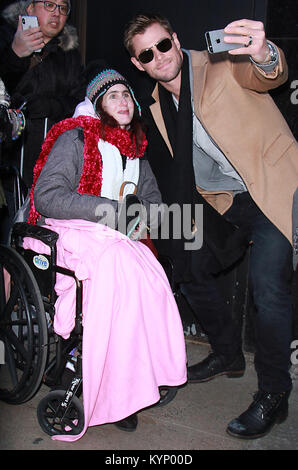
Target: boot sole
(125, 429)
(231, 375)
(279, 420)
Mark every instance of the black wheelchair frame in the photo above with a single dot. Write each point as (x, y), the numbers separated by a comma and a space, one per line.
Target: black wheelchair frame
(35, 354)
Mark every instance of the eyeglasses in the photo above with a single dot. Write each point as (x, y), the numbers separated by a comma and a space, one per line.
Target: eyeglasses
(51, 6)
(163, 46)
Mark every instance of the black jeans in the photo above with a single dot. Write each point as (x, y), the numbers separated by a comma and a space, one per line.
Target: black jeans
(270, 275)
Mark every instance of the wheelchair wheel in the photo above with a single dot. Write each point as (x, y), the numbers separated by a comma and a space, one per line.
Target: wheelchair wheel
(167, 394)
(23, 329)
(53, 418)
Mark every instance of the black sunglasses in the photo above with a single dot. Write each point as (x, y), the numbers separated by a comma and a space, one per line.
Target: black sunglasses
(163, 46)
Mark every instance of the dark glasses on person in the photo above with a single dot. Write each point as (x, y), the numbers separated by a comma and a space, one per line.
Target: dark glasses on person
(147, 55)
(51, 6)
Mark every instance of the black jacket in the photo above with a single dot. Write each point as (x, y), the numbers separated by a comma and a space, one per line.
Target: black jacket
(50, 83)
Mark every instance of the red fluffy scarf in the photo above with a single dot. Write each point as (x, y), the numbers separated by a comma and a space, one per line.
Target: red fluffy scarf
(91, 177)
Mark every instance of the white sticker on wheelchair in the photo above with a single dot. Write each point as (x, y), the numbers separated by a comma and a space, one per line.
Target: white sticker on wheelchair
(2, 358)
(40, 262)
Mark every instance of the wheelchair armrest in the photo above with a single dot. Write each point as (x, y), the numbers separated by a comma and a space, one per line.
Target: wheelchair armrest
(45, 235)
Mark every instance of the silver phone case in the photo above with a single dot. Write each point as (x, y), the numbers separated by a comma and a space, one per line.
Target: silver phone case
(215, 41)
(29, 22)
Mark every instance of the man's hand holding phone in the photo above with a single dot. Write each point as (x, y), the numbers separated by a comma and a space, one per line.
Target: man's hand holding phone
(240, 37)
(253, 40)
(27, 41)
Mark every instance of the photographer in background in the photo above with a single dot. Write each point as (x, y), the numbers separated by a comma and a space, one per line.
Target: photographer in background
(48, 81)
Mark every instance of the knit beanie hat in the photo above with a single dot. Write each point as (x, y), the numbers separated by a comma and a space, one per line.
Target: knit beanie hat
(103, 78)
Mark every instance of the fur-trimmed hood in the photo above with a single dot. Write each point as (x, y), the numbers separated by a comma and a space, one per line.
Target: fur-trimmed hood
(68, 38)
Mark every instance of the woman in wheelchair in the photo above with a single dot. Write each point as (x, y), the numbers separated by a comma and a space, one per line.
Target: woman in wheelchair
(94, 187)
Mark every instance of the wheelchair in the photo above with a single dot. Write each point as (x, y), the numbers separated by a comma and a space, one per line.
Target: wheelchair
(34, 354)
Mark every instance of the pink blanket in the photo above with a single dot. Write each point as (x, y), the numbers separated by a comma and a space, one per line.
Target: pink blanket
(133, 340)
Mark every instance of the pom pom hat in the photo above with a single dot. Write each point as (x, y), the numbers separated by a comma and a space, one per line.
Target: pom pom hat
(104, 79)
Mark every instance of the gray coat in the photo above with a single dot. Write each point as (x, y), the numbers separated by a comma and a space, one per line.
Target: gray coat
(56, 195)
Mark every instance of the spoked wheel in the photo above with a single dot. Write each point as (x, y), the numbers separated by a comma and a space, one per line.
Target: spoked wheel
(54, 419)
(23, 329)
(167, 394)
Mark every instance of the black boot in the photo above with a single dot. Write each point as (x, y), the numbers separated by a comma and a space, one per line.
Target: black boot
(266, 410)
(128, 424)
(214, 365)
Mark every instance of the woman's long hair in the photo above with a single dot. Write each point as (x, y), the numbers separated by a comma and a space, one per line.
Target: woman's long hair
(137, 126)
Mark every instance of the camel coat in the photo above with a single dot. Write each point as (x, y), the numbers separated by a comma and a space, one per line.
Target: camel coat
(232, 103)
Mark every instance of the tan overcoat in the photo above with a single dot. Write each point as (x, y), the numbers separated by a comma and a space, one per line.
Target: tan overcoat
(232, 102)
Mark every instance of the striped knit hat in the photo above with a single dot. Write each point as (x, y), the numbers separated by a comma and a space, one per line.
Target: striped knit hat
(105, 79)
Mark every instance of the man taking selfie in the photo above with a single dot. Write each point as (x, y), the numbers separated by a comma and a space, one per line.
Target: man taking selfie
(216, 138)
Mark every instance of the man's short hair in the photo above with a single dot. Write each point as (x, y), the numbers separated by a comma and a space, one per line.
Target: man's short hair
(28, 2)
(139, 24)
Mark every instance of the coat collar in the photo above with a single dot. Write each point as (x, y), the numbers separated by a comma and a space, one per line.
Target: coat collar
(199, 61)
(158, 118)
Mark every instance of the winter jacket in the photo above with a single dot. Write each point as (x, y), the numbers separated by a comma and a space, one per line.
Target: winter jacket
(56, 196)
(232, 103)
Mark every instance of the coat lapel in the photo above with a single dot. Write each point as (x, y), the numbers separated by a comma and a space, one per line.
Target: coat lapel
(158, 118)
(199, 78)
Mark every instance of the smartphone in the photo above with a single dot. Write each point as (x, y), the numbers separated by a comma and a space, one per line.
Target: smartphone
(215, 41)
(30, 22)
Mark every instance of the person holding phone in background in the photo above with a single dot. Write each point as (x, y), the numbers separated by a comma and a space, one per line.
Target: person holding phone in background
(216, 138)
(46, 84)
